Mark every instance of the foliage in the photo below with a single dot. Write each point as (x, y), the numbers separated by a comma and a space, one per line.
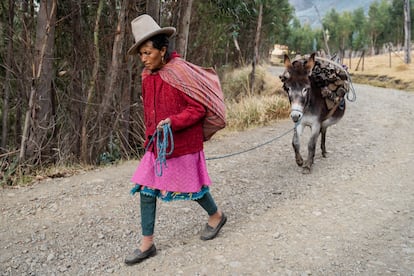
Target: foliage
(302, 39)
(395, 28)
(359, 34)
(215, 25)
(377, 24)
(383, 24)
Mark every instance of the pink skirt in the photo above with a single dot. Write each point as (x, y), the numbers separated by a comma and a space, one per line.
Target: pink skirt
(185, 174)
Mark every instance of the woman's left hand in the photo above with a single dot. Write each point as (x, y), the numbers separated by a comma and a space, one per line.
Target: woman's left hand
(163, 122)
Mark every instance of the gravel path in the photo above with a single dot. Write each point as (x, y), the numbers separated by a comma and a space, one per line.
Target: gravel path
(353, 215)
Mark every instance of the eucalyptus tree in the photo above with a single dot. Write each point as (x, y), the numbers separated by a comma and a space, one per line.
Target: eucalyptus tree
(301, 39)
(17, 29)
(229, 29)
(331, 25)
(183, 27)
(359, 33)
(395, 29)
(378, 19)
(277, 16)
(8, 68)
(345, 30)
(40, 121)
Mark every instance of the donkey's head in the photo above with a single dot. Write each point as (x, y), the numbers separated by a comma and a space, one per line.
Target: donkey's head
(297, 85)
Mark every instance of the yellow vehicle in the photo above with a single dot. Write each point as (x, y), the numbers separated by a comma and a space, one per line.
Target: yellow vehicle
(277, 54)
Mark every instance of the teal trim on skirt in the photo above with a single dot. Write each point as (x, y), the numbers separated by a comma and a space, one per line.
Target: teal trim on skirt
(169, 196)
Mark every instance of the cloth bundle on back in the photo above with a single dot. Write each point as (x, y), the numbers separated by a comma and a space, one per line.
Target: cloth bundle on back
(187, 100)
(201, 84)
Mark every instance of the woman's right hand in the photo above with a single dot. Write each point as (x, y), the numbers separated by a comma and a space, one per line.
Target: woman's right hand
(163, 122)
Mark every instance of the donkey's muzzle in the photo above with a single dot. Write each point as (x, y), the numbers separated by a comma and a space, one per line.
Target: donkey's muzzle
(296, 116)
(296, 112)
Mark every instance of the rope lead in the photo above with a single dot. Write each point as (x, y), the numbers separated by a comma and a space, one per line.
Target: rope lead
(162, 144)
(162, 137)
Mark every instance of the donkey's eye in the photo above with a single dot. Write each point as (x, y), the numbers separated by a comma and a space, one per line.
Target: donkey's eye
(305, 90)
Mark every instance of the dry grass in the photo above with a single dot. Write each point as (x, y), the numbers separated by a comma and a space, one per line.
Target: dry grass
(383, 71)
(236, 83)
(247, 109)
(256, 111)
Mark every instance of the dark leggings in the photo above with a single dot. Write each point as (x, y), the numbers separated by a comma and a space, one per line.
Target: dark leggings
(149, 206)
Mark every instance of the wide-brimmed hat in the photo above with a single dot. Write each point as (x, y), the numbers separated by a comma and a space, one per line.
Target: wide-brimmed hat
(145, 27)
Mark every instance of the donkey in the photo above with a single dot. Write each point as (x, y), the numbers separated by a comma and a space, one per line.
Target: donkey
(308, 107)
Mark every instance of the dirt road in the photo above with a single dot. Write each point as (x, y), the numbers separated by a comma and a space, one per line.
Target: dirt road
(353, 215)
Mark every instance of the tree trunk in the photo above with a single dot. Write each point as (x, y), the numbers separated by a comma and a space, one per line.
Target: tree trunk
(239, 53)
(85, 154)
(39, 121)
(256, 49)
(7, 84)
(77, 89)
(113, 87)
(153, 9)
(407, 31)
(26, 73)
(183, 27)
(126, 99)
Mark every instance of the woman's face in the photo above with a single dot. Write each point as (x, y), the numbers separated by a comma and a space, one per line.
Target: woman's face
(151, 57)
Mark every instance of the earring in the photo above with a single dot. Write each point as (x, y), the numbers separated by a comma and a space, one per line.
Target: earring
(162, 60)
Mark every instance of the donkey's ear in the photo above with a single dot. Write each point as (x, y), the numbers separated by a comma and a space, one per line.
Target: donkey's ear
(287, 61)
(285, 76)
(310, 63)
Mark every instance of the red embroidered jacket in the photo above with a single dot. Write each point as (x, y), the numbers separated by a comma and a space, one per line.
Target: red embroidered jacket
(162, 101)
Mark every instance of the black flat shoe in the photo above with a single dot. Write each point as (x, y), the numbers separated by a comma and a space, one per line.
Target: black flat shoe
(209, 232)
(137, 256)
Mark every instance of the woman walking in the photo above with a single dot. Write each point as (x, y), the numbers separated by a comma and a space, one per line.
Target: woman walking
(182, 106)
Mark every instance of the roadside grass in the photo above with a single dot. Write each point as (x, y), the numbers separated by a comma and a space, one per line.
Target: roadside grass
(388, 71)
(255, 111)
(246, 109)
(15, 175)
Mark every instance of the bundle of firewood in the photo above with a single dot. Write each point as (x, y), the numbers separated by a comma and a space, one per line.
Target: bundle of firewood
(333, 81)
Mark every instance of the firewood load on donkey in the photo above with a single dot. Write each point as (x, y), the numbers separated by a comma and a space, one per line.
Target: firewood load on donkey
(316, 92)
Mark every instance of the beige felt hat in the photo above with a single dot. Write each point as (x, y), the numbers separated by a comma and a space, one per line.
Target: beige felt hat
(145, 27)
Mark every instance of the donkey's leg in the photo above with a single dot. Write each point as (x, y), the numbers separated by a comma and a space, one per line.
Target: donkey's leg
(316, 128)
(296, 144)
(323, 137)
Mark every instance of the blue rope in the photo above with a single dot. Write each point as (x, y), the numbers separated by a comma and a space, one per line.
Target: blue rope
(250, 149)
(162, 137)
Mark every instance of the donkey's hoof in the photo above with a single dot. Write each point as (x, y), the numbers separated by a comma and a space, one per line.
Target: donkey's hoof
(325, 154)
(299, 161)
(306, 170)
(307, 167)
